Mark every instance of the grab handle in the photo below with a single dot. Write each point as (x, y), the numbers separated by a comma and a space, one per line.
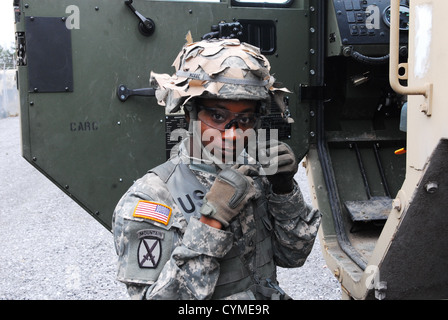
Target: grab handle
(394, 66)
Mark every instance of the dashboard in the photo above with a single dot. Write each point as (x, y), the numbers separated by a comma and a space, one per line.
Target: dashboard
(363, 22)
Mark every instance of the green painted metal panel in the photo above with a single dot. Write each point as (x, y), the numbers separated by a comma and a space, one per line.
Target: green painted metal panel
(92, 145)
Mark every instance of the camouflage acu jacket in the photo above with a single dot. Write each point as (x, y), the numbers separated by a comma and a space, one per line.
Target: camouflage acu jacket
(163, 254)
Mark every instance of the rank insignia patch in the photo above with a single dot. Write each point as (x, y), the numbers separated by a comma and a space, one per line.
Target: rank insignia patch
(153, 211)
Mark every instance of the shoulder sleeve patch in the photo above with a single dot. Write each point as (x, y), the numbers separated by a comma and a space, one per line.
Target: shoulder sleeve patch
(147, 249)
(153, 211)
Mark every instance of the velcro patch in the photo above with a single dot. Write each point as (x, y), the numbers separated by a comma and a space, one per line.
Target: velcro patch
(153, 211)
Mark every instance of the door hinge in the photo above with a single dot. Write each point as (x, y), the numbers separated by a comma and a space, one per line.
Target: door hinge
(21, 48)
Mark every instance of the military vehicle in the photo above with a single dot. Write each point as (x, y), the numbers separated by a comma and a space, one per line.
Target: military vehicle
(367, 101)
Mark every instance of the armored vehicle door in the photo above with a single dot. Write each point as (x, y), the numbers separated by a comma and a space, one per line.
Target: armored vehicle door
(90, 122)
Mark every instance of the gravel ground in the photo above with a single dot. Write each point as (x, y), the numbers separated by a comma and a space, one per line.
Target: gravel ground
(52, 249)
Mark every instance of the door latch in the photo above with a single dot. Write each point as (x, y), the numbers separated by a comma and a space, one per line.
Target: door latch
(145, 25)
(124, 93)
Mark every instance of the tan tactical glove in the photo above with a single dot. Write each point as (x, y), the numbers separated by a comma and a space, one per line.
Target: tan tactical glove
(230, 192)
(282, 179)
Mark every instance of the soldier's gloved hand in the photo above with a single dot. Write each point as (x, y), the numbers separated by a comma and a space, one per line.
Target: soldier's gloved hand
(282, 168)
(230, 192)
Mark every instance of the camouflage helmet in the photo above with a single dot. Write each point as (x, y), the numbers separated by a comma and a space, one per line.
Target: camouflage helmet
(220, 69)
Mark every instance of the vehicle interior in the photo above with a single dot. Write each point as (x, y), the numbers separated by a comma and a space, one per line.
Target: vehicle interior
(361, 123)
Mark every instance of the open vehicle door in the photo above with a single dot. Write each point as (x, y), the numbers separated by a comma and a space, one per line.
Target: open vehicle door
(90, 122)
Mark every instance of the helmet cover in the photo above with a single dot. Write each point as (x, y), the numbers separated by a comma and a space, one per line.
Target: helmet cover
(219, 69)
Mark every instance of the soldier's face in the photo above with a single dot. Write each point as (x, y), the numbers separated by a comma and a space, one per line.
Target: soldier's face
(226, 126)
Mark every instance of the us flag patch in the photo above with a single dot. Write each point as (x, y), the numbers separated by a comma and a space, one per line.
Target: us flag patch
(153, 211)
